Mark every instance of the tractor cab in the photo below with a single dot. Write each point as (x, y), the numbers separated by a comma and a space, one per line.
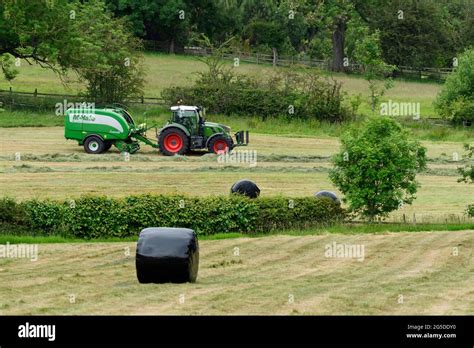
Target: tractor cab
(188, 116)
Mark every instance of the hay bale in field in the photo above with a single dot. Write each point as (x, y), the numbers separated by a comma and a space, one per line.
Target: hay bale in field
(328, 194)
(246, 187)
(167, 255)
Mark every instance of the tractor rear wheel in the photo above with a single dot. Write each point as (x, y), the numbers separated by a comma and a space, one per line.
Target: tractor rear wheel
(173, 141)
(219, 145)
(94, 145)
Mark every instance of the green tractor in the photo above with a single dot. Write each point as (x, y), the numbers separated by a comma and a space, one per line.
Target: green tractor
(98, 129)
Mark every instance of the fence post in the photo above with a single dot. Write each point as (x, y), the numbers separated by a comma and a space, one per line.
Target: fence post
(11, 98)
(143, 100)
(36, 92)
(257, 58)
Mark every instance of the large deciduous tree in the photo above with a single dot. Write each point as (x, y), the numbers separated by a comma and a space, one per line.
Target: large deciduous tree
(81, 36)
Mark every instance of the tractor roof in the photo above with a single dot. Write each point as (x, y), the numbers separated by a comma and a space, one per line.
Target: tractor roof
(184, 108)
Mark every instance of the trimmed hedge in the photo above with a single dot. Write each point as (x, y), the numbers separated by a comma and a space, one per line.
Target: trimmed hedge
(101, 217)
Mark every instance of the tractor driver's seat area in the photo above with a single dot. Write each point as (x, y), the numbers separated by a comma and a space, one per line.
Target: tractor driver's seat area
(201, 120)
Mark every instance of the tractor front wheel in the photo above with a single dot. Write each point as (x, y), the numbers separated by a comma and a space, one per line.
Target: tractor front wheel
(94, 145)
(173, 141)
(220, 145)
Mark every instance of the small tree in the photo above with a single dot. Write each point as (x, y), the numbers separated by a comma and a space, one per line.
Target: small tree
(368, 53)
(105, 54)
(376, 168)
(215, 60)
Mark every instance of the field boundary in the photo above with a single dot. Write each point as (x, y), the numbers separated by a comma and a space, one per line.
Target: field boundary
(418, 73)
(48, 101)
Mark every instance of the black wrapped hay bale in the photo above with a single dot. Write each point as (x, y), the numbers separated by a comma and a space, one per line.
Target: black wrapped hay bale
(246, 187)
(328, 194)
(167, 255)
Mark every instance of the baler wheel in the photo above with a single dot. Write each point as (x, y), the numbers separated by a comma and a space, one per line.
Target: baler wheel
(94, 145)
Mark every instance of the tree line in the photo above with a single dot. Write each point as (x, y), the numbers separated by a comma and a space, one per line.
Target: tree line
(416, 33)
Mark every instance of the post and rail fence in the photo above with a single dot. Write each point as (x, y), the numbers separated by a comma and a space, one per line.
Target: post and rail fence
(47, 101)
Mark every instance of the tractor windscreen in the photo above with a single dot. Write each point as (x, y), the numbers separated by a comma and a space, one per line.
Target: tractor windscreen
(177, 115)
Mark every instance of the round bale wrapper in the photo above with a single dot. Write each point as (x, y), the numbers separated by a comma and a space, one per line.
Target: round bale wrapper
(328, 194)
(246, 187)
(167, 255)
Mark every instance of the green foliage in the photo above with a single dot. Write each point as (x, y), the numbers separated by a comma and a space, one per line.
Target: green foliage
(103, 217)
(7, 66)
(467, 172)
(470, 210)
(456, 100)
(462, 110)
(93, 217)
(10, 211)
(278, 213)
(105, 55)
(82, 36)
(368, 53)
(376, 167)
(305, 96)
(419, 33)
(36, 30)
(467, 175)
(46, 216)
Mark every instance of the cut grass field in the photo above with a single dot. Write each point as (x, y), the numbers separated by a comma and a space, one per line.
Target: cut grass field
(51, 167)
(164, 70)
(267, 273)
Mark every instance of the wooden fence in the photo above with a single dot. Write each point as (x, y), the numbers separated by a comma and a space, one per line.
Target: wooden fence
(48, 101)
(427, 73)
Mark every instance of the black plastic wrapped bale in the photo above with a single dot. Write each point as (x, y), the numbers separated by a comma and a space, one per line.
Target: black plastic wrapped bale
(328, 194)
(167, 255)
(246, 187)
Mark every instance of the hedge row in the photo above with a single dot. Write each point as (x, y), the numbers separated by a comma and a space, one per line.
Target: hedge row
(102, 217)
(303, 96)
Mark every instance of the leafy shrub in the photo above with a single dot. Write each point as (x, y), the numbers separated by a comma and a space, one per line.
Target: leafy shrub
(304, 96)
(46, 216)
(456, 100)
(97, 216)
(470, 210)
(462, 110)
(10, 211)
(277, 213)
(102, 217)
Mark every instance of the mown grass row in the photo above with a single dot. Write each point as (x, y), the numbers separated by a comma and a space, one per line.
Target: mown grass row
(11, 236)
(28, 168)
(157, 116)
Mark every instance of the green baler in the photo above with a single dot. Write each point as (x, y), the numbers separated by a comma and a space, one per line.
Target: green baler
(98, 129)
